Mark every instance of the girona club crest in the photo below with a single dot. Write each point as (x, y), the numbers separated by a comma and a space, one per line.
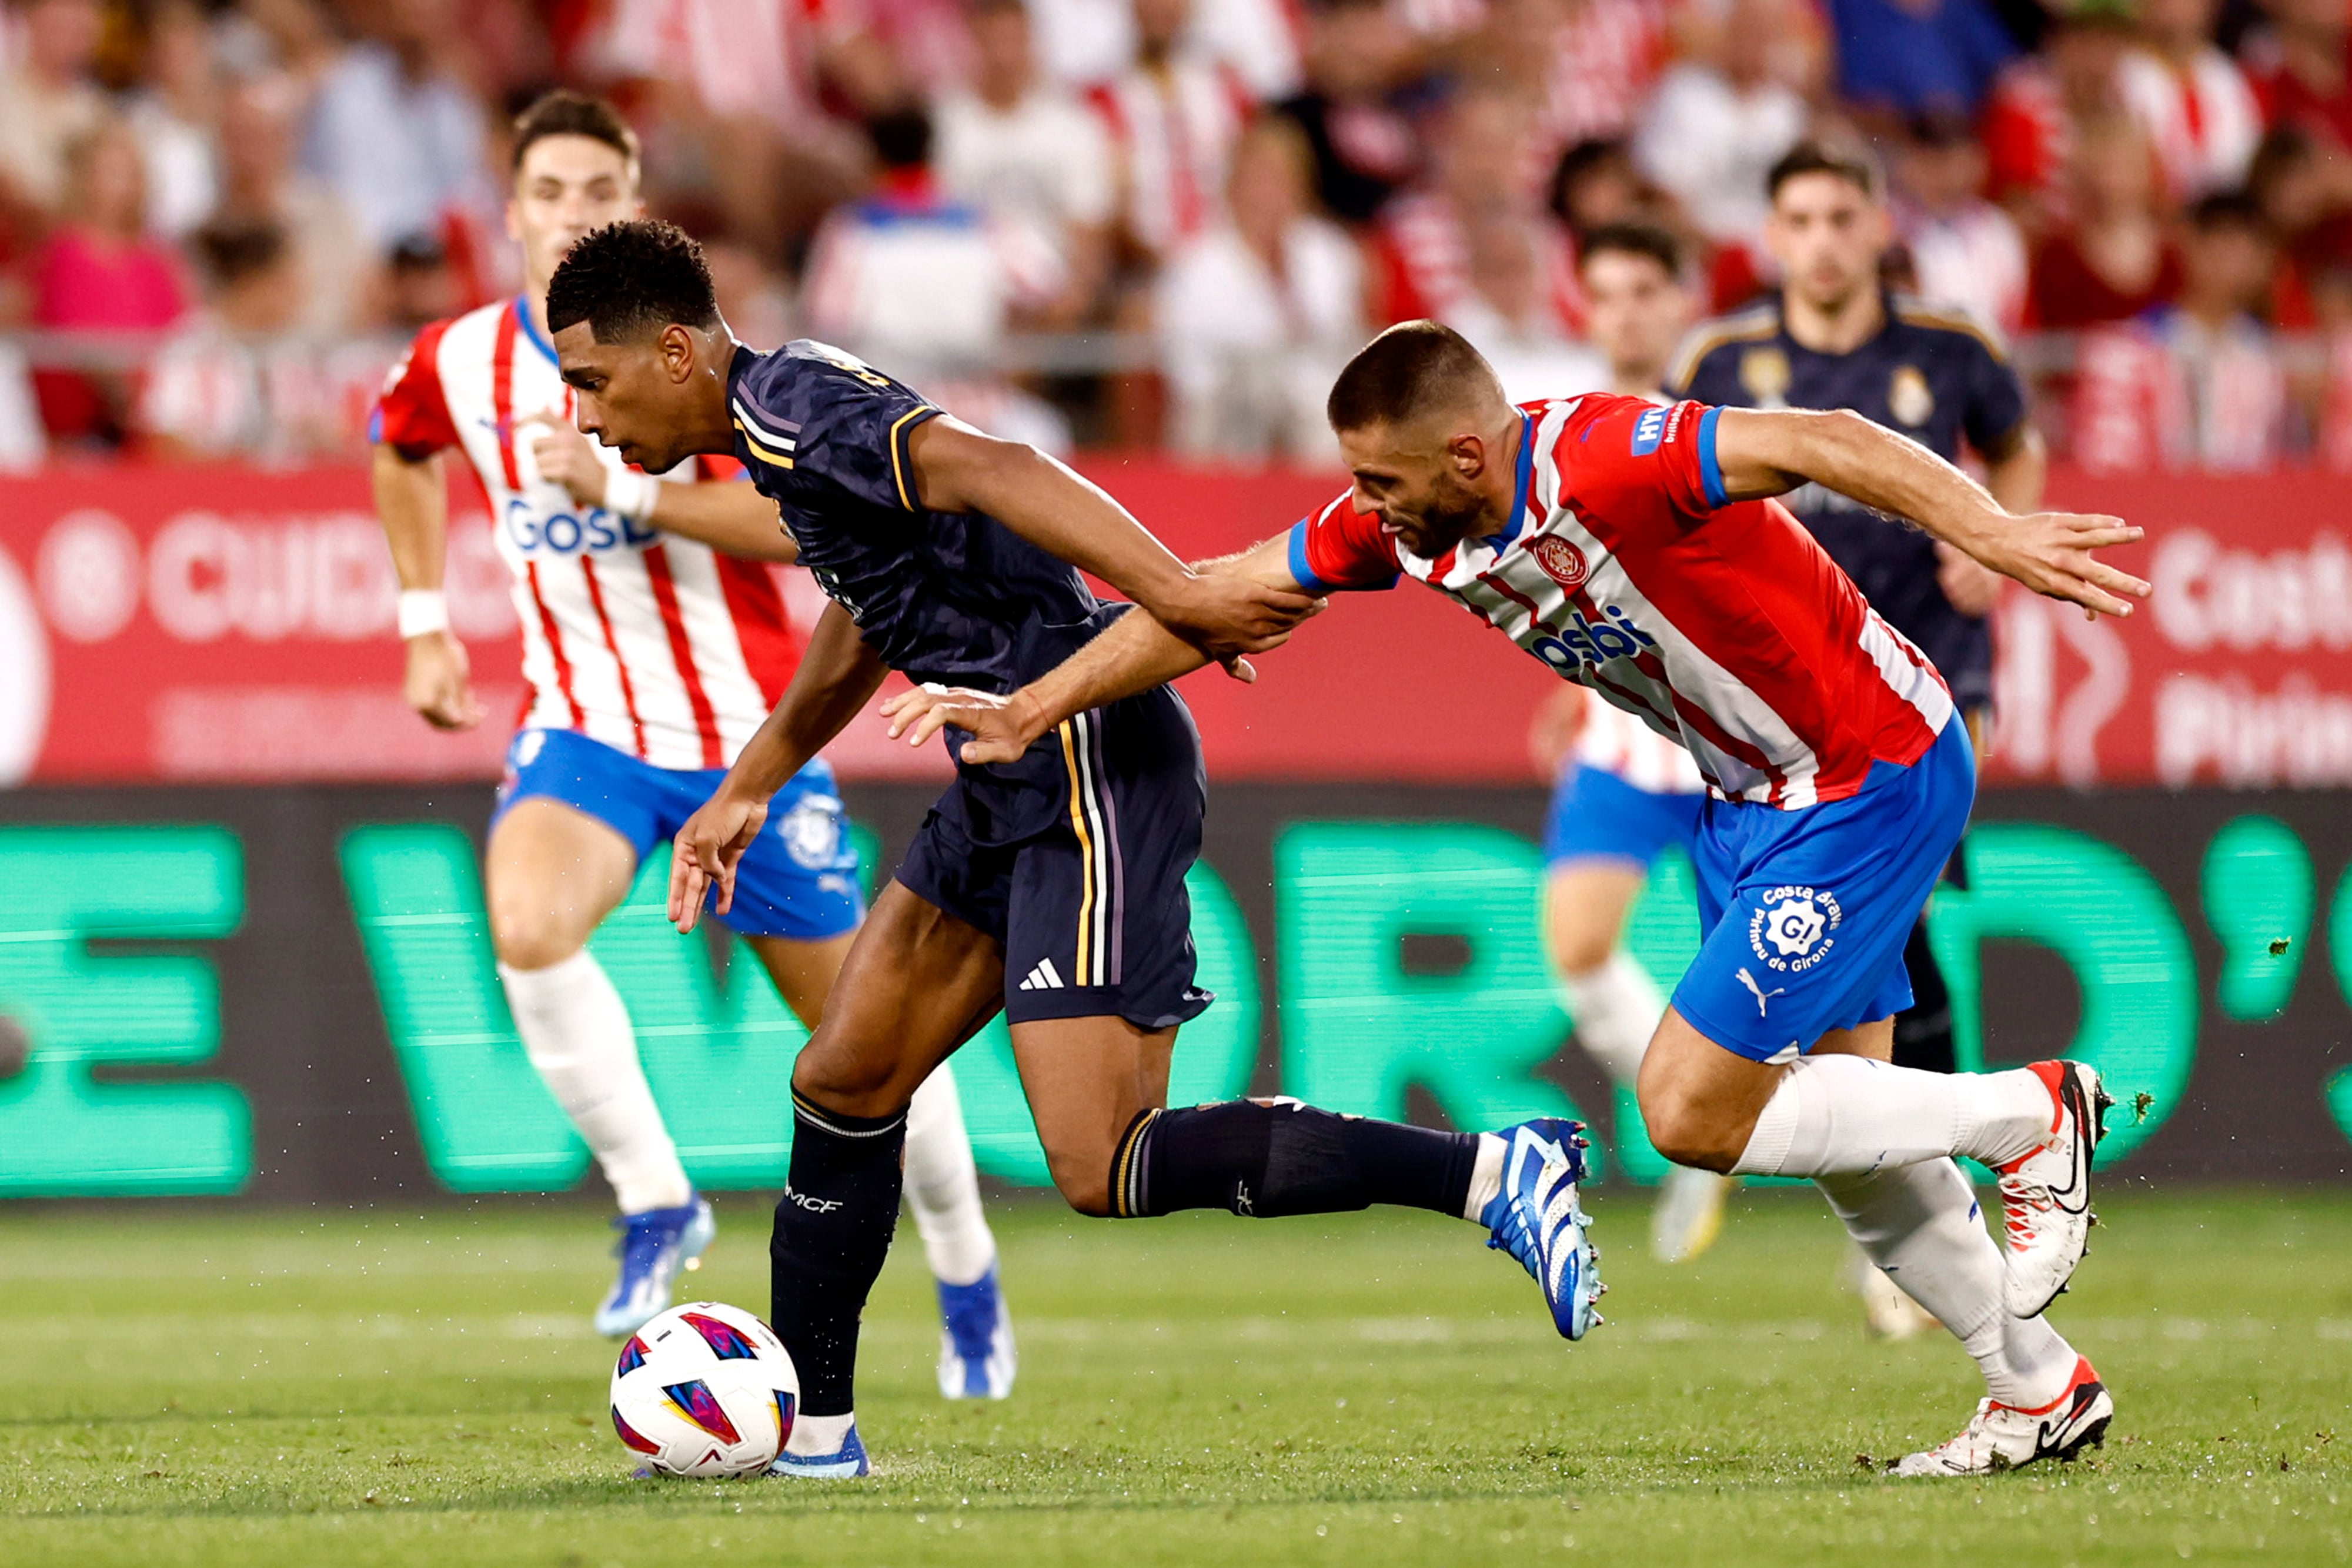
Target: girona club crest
(1561, 562)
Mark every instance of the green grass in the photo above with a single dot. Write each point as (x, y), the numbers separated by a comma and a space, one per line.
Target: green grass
(213, 1388)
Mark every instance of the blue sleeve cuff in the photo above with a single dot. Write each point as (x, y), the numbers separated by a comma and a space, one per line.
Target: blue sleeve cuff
(1710, 471)
(1303, 574)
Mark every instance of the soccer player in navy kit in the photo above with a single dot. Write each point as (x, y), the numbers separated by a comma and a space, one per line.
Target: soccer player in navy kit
(1049, 886)
(1834, 338)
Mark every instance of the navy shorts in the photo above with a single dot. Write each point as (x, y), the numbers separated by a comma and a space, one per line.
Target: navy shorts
(1596, 815)
(798, 880)
(1074, 859)
(1804, 914)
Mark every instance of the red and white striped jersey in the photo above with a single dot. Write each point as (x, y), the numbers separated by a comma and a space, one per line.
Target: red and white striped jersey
(1721, 625)
(653, 644)
(1615, 742)
(1172, 135)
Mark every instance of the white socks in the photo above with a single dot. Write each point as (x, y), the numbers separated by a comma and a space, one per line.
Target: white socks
(1616, 1007)
(814, 1436)
(1486, 1176)
(943, 1186)
(1919, 1222)
(576, 1031)
(1840, 1114)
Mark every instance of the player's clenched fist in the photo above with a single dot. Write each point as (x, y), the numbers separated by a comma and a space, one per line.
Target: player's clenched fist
(566, 457)
(440, 683)
(708, 849)
(1225, 614)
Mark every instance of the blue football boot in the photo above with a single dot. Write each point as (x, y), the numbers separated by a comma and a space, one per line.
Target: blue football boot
(976, 1357)
(847, 1460)
(1536, 1219)
(655, 1246)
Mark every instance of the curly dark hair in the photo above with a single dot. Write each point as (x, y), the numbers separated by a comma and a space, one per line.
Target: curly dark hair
(628, 280)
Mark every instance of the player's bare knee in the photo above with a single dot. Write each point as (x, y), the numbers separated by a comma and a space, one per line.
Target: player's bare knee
(834, 1077)
(527, 936)
(1686, 1132)
(1582, 955)
(1082, 1175)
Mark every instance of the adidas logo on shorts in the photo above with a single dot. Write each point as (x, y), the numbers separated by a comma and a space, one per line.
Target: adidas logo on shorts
(1044, 977)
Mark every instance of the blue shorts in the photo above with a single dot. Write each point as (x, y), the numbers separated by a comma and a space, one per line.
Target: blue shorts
(798, 880)
(1805, 913)
(1596, 815)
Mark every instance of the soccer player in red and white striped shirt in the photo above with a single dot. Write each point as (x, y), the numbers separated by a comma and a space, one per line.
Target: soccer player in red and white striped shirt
(655, 642)
(1635, 549)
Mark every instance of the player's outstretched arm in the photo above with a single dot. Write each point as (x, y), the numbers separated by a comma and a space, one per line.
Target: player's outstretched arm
(1761, 452)
(734, 517)
(958, 469)
(837, 676)
(411, 503)
(1134, 654)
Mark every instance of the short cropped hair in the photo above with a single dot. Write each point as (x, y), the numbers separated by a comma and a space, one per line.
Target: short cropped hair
(231, 250)
(1853, 165)
(2227, 210)
(630, 279)
(1657, 242)
(567, 113)
(1413, 369)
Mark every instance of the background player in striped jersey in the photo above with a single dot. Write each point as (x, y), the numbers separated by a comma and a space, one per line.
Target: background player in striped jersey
(654, 640)
(1633, 549)
(1834, 337)
(1623, 792)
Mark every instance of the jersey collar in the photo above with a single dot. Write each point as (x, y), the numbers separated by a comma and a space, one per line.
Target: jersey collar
(1500, 542)
(531, 329)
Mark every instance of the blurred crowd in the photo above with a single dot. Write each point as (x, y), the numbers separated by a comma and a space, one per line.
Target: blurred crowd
(1144, 222)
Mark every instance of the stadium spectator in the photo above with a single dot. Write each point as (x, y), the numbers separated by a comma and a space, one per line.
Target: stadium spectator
(1964, 250)
(2113, 260)
(2192, 100)
(229, 382)
(1256, 316)
(176, 113)
(2303, 187)
(1358, 54)
(1716, 124)
(2300, 67)
(394, 133)
(2197, 384)
(1030, 155)
(98, 272)
(1474, 249)
(1602, 59)
(1173, 117)
(2029, 122)
(929, 286)
(49, 98)
(331, 266)
(1896, 58)
(418, 286)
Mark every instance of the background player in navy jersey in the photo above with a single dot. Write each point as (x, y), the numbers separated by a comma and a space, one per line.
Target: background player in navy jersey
(648, 654)
(1834, 337)
(1049, 886)
(1622, 794)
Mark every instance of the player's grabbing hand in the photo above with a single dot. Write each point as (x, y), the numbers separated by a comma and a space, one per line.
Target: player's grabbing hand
(1001, 728)
(2050, 552)
(1226, 615)
(708, 849)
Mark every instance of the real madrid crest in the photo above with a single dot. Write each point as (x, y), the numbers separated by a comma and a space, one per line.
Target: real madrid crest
(1765, 374)
(1909, 397)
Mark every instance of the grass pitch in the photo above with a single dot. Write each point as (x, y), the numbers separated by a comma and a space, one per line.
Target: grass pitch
(184, 1386)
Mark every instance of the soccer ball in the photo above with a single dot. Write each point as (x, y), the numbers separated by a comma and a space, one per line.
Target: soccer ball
(705, 1390)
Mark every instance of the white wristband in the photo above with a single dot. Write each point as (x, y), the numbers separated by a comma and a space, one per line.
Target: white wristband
(631, 493)
(423, 611)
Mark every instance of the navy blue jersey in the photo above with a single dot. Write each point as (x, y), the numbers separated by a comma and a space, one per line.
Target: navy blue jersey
(1934, 375)
(952, 597)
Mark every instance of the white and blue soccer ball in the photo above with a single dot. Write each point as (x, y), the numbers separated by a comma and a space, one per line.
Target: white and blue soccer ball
(704, 1389)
